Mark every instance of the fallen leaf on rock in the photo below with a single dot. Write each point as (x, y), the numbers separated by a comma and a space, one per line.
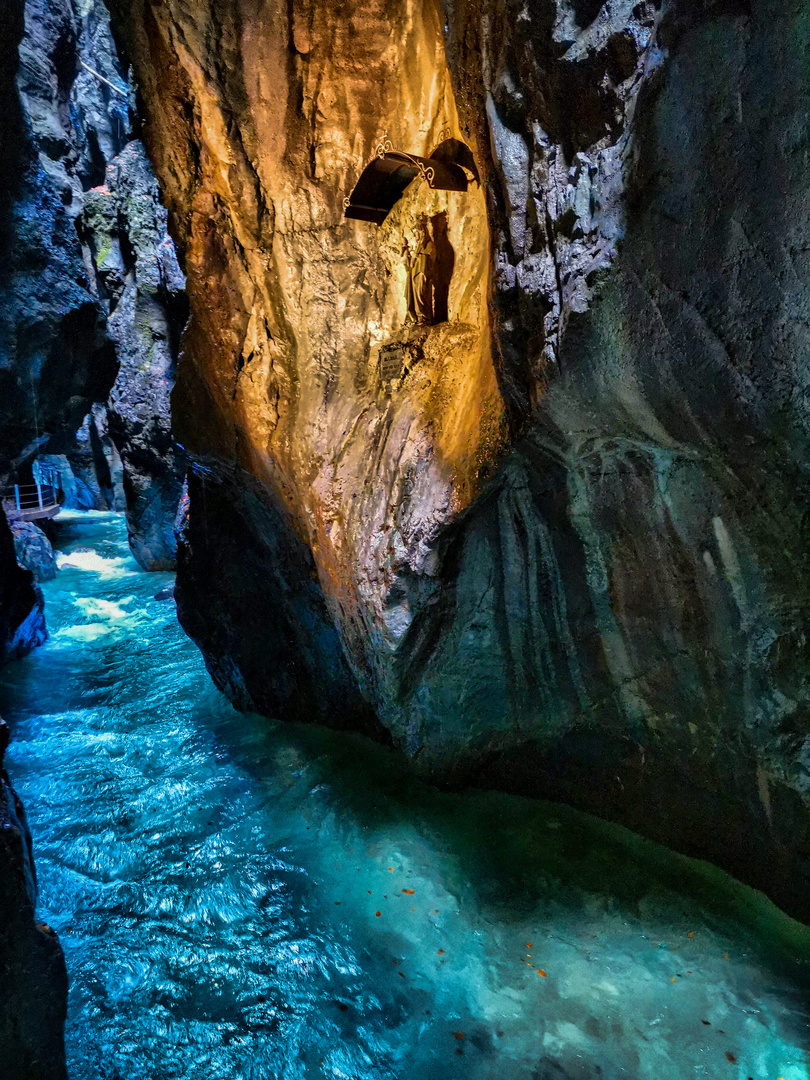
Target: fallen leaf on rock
(731, 1057)
(459, 1035)
(541, 973)
(378, 913)
(440, 952)
(410, 892)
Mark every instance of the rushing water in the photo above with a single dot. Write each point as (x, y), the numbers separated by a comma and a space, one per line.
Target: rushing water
(244, 900)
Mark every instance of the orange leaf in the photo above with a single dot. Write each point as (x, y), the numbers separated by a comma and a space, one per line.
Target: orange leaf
(528, 945)
(410, 892)
(541, 973)
(379, 913)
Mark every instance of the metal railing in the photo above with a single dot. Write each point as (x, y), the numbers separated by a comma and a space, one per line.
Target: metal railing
(29, 501)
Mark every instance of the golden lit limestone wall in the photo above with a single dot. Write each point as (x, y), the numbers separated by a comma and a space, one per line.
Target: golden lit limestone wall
(259, 128)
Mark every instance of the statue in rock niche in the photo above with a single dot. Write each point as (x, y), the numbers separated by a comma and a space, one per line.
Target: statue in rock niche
(430, 268)
(419, 289)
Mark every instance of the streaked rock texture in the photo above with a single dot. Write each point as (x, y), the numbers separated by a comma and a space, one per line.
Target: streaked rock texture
(137, 273)
(568, 553)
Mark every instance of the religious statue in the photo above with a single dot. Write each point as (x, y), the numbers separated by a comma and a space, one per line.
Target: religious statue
(419, 292)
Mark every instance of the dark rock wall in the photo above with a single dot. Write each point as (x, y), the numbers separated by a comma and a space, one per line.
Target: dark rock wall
(22, 617)
(242, 550)
(615, 611)
(676, 409)
(55, 357)
(78, 308)
(33, 989)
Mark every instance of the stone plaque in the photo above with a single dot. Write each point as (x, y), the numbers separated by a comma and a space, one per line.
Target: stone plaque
(392, 360)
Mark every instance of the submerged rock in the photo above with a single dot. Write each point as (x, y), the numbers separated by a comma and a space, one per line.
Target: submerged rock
(563, 548)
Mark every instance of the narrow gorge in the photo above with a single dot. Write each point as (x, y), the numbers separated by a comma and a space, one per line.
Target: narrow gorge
(432, 372)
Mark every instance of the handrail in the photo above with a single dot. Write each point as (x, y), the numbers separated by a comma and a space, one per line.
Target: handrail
(25, 497)
(8, 493)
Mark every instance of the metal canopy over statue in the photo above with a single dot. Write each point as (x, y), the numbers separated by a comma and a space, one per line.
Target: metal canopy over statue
(385, 178)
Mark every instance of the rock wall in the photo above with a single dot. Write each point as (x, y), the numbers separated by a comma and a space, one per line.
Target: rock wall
(566, 554)
(138, 274)
(56, 357)
(92, 297)
(22, 608)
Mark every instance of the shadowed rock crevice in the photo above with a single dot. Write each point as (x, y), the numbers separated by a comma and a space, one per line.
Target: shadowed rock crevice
(281, 655)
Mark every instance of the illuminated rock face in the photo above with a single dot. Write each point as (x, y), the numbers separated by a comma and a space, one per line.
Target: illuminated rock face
(280, 372)
(567, 553)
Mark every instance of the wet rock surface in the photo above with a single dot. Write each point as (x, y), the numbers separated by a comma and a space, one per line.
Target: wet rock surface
(22, 618)
(33, 990)
(566, 553)
(33, 550)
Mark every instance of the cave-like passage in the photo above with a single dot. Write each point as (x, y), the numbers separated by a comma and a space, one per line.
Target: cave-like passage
(241, 900)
